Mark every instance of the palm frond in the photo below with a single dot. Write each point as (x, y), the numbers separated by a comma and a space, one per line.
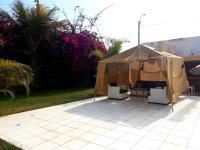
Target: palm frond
(20, 12)
(5, 16)
(115, 47)
(97, 53)
(51, 13)
(16, 74)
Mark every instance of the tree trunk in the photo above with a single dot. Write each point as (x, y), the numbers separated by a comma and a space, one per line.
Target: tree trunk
(34, 66)
(34, 62)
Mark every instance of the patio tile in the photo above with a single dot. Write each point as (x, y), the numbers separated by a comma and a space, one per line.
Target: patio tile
(139, 132)
(46, 145)
(181, 133)
(38, 132)
(151, 143)
(74, 124)
(122, 128)
(121, 145)
(130, 138)
(65, 122)
(75, 133)
(33, 141)
(26, 127)
(168, 123)
(188, 148)
(92, 146)
(62, 148)
(114, 134)
(162, 130)
(23, 137)
(185, 126)
(43, 123)
(177, 140)
(63, 129)
(75, 144)
(194, 143)
(13, 133)
(86, 127)
(106, 125)
(104, 141)
(49, 135)
(52, 127)
(100, 130)
(156, 136)
(6, 129)
(61, 139)
(169, 146)
(139, 147)
(89, 137)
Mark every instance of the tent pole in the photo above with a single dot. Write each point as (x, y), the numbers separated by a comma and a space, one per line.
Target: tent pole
(94, 96)
(172, 106)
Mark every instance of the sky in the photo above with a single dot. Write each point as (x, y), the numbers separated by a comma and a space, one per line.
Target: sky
(164, 19)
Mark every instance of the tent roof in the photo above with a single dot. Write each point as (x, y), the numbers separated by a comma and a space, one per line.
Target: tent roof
(138, 53)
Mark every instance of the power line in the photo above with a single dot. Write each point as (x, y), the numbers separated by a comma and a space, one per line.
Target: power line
(170, 22)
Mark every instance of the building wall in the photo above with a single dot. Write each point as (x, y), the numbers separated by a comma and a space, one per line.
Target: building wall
(181, 47)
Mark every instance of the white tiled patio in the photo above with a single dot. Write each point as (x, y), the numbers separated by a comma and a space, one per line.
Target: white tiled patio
(107, 125)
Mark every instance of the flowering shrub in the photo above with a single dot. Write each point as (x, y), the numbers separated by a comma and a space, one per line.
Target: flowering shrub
(79, 46)
(4, 29)
(62, 55)
(2, 40)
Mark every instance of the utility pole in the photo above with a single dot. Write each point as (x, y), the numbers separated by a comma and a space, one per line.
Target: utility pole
(139, 26)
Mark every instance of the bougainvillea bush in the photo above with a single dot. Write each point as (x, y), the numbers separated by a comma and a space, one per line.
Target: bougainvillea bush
(66, 59)
(61, 56)
(12, 45)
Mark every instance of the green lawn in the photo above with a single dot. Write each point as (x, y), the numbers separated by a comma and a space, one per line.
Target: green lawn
(41, 99)
(6, 146)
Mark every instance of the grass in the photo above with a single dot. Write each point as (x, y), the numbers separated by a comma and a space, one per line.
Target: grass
(7, 146)
(41, 99)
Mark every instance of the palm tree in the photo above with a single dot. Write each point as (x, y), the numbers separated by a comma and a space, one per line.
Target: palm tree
(35, 23)
(13, 73)
(114, 48)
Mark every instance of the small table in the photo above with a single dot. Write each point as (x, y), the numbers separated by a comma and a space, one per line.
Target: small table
(139, 92)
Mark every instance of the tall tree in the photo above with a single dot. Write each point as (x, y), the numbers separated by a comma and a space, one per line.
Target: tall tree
(114, 47)
(35, 23)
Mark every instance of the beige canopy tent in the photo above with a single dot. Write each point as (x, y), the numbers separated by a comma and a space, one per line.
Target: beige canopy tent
(143, 63)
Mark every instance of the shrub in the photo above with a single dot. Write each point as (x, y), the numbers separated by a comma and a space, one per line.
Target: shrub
(14, 74)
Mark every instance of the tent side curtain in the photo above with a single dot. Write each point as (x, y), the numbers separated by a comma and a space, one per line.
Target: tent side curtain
(118, 73)
(176, 78)
(153, 70)
(134, 72)
(101, 79)
(179, 79)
